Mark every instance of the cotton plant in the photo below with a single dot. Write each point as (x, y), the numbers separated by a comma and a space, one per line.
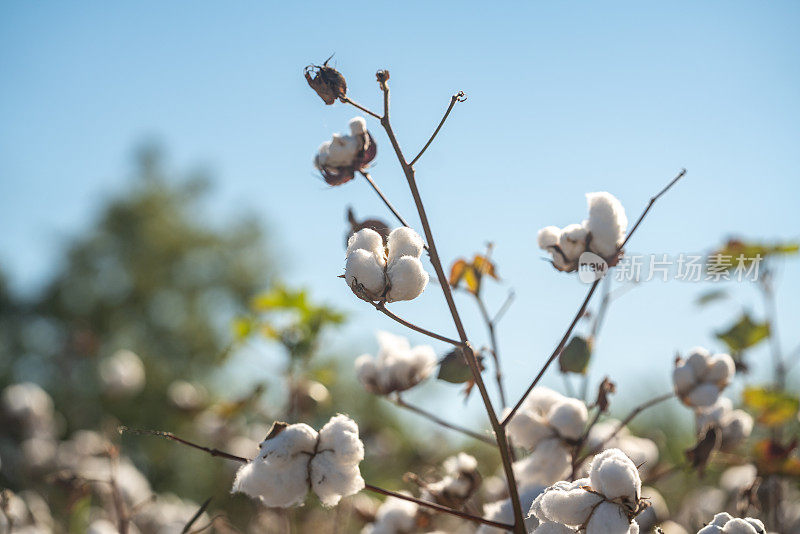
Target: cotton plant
(734, 426)
(724, 523)
(385, 272)
(603, 233)
(340, 158)
(460, 481)
(295, 459)
(548, 425)
(701, 377)
(642, 451)
(397, 367)
(604, 503)
(122, 374)
(394, 516)
(501, 510)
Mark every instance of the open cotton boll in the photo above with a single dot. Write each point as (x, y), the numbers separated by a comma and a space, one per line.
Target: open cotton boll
(548, 463)
(568, 418)
(122, 373)
(101, 526)
(362, 267)
(404, 241)
(288, 443)
(340, 435)
(607, 223)
(683, 378)
(340, 151)
(358, 125)
(721, 369)
(548, 237)
(609, 518)
(528, 428)
(369, 240)
(395, 516)
(397, 367)
(276, 486)
(573, 241)
(502, 512)
(614, 475)
(331, 480)
(568, 503)
(738, 478)
(407, 279)
(461, 463)
(705, 394)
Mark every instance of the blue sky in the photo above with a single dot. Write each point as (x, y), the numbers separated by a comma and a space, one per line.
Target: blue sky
(563, 98)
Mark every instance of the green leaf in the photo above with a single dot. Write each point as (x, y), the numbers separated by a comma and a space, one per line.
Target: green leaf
(744, 334)
(773, 408)
(79, 514)
(711, 296)
(242, 327)
(575, 356)
(454, 369)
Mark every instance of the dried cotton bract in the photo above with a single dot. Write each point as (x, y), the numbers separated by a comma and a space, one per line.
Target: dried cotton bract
(603, 503)
(602, 233)
(340, 158)
(724, 523)
(699, 379)
(295, 458)
(397, 367)
(392, 272)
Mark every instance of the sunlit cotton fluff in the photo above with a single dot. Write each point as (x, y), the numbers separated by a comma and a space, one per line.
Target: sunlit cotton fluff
(31, 407)
(724, 523)
(397, 367)
(603, 503)
(735, 425)
(292, 456)
(460, 481)
(122, 374)
(393, 272)
(502, 511)
(602, 233)
(699, 379)
(339, 158)
(642, 451)
(395, 516)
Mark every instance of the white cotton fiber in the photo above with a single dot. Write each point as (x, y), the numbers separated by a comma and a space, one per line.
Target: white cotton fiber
(122, 373)
(724, 523)
(573, 241)
(407, 279)
(552, 528)
(369, 240)
(568, 503)
(502, 512)
(461, 463)
(609, 518)
(394, 516)
(568, 418)
(331, 480)
(704, 394)
(289, 442)
(278, 486)
(721, 369)
(404, 241)
(607, 223)
(548, 236)
(358, 125)
(397, 367)
(548, 463)
(683, 378)
(340, 435)
(614, 475)
(699, 379)
(528, 428)
(363, 267)
(339, 152)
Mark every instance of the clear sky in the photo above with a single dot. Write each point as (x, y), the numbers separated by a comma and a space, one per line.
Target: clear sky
(563, 98)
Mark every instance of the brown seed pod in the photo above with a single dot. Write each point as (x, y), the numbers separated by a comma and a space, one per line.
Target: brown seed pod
(326, 81)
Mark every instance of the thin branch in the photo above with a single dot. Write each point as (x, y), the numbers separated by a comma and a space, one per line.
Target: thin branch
(384, 199)
(381, 307)
(439, 507)
(771, 311)
(469, 354)
(347, 100)
(458, 97)
(555, 353)
(504, 308)
(398, 401)
(650, 205)
(490, 326)
(173, 437)
(636, 411)
(196, 516)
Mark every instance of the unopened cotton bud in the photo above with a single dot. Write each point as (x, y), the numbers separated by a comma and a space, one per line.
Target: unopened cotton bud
(407, 279)
(362, 267)
(404, 241)
(369, 240)
(607, 223)
(358, 125)
(573, 241)
(548, 236)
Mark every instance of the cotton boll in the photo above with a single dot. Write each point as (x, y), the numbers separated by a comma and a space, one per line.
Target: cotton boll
(369, 240)
(614, 475)
(502, 512)
(279, 486)
(362, 267)
(698, 361)
(710, 529)
(705, 394)
(738, 478)
(736, 427)
(548, 237)
(332, 480)
(569, 506)
(527, 429)
(340, 435)
(31, 406)
(721, 519)
(549, 462)
(683, 378)
(102, 526)
(653, 514)
(122, 374)
(568, 418)
(461, 463)
(367, 372)
(287, 444)
(607, 223)
(553, 528)
(397, 367)
(756, 524)
(394, 516)
(740, 526)
(573, 241)
(671, 527)
(340, 151)
(407, 279)
(608, 518)
(404, 241)
(721, 369)
(358, 125)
